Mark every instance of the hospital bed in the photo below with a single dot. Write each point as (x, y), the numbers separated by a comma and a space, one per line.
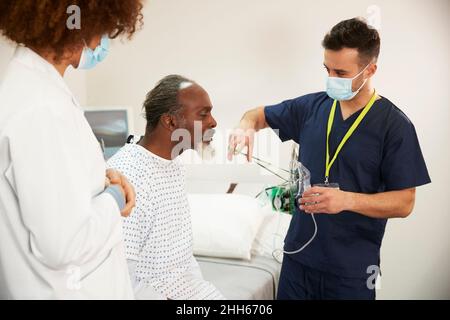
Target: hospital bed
(256, 279)
(252, 278)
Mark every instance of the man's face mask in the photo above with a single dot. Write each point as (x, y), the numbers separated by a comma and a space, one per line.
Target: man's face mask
(90, 58)
(341, 88)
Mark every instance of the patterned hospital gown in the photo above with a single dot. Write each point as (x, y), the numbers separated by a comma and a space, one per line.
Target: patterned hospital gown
(158, 233)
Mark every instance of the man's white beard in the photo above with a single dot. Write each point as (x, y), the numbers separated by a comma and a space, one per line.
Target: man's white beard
(205, 150)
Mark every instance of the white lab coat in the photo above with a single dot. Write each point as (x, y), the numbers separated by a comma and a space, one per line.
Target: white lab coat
(60, 235)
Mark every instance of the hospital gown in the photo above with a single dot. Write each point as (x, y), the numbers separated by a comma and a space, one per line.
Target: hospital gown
(158, 233)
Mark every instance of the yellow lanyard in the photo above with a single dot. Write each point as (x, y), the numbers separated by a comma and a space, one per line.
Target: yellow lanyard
(347, 135)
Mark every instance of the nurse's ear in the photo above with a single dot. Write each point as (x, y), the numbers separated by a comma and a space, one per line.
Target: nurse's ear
(371, 70)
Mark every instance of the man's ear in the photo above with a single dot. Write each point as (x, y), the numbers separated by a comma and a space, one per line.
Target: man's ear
(170, 122)
(167, 121)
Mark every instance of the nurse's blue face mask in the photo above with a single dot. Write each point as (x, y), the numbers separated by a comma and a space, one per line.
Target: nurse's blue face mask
(341, 88)
(90, 58)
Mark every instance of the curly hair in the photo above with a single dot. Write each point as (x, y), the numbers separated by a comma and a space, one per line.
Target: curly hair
(356, 34)
(42, 25)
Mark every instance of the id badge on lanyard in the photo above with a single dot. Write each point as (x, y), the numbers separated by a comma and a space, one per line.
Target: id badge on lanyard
(329, 162)
(327, 185)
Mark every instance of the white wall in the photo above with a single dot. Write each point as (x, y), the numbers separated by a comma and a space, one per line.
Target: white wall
(255, 52)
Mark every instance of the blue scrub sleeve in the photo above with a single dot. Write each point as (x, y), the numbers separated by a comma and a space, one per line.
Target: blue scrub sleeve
(286, 119)
(403, 165)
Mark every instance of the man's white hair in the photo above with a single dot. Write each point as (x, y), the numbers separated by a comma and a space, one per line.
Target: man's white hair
(185, 85)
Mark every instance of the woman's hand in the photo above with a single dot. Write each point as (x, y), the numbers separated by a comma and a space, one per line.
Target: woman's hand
(117, 178)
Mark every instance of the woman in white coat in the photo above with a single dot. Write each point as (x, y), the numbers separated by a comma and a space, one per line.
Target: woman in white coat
(60, 210)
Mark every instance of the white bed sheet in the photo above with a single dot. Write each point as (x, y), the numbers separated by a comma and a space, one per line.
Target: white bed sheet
(242, 280)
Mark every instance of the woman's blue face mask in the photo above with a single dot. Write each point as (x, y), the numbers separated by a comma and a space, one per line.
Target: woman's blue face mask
(90, 58)
(341, 88)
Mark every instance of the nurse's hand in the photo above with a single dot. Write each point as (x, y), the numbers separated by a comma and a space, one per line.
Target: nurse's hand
(324, 200)
(117, 178)
(244, 135)
(241, 138)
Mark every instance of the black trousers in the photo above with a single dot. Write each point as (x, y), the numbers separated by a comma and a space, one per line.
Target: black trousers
(299, 282)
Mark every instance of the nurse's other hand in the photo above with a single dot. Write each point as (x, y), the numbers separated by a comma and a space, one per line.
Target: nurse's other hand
(324, 200)
(242, 137)
(117, 178)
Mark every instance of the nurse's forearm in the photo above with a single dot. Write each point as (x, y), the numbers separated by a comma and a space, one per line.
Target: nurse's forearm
(394, 204)
(254, 119)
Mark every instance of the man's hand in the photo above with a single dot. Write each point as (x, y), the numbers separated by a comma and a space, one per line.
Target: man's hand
(117, 178)
(325, 200)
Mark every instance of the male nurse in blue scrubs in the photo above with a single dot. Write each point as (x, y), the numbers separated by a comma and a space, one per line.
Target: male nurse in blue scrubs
(364, 153)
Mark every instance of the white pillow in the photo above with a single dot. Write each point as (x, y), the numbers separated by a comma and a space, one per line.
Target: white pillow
(272, 232)
(224, 225)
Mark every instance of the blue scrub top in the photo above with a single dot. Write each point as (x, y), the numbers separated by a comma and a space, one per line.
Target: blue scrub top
(383, 154)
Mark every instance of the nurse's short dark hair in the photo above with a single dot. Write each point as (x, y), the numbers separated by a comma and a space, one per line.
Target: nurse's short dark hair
(163, 99)
(43, 25)
(355, 34)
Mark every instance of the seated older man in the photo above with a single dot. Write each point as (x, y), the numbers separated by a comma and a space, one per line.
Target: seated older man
(158, 234)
